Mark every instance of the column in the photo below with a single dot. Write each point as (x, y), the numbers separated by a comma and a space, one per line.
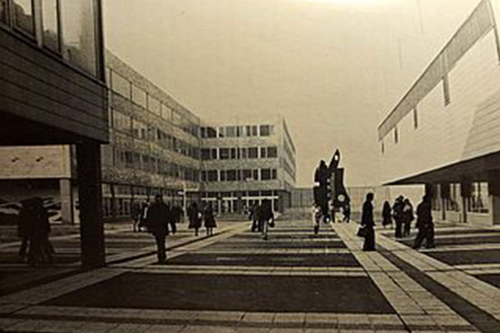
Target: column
(66, 193)
(89, 190)
(494, 196)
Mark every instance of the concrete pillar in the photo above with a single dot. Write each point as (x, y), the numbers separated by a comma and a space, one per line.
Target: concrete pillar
(90, 198)
(66, 194)
(494, 196)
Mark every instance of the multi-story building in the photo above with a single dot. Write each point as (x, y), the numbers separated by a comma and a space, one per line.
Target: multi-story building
(245, 162)
(157, 146)
(52, 92)
(445, 131)
(154, 142)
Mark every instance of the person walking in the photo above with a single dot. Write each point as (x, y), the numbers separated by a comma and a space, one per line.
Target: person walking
(209, 218)
(397, 210)
(143, 216)
(158, 216)
(176, 213)
(368, 224)
(386, 214)
(266, 217)
(136, 216)
(407, 217)
(424, 224)
(194, 216)
(34, 228)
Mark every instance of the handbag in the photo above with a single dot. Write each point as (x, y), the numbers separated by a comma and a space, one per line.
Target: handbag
(271, 223)
(361, 231)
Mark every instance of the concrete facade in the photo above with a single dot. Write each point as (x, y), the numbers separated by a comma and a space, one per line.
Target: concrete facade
(444, 132)
(247, 161)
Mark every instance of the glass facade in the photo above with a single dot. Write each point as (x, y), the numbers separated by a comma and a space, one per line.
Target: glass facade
(50, 22)
(79, 34)
(24, 17)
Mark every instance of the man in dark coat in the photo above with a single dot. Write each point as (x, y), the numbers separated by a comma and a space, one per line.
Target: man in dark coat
(424, 224)
(398, 216)
(158, 216)
(368, 224)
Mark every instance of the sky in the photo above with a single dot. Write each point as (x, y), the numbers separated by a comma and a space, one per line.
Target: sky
(333, 68)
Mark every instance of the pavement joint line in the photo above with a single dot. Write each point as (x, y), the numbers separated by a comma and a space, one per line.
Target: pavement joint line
(395, 284)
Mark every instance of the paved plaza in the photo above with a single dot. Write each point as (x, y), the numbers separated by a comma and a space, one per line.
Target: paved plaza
(294, 282)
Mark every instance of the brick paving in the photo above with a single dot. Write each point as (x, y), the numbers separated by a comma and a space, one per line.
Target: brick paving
(294, 282)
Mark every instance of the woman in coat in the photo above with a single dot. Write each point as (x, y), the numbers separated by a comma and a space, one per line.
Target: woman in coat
(368, 224)
(209, 217)
(194, 216)
(386, 214)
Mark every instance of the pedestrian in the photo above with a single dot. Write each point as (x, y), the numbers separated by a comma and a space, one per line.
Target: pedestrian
(144, 214)
(266, 217)
(194, 216)
(386, 214)
(158, 215)
(407, 217)
(397, 210)
(136, 215)
(209, 218)
(35, 229)
(368, 224)
(176, 213)
(424, 224)
(347, 213)
(252, 216)
(316, 218)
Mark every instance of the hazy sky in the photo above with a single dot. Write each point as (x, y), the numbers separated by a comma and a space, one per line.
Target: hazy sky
(333, 68)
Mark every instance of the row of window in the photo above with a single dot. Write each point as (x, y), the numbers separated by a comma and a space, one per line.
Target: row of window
(238, 153)
(237, 131)
(140, 130)
(238, 175)
(155, 165)
(139, 96)
(67, 28)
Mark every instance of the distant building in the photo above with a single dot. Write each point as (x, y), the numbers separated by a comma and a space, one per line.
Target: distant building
(157, 146)
(246, 162)
(445, 131)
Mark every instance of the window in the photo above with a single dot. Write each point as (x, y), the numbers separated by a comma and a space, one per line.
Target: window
(50, 20)
(120, 85)
(263, 152)
(4, 11)
(154, 105)
(212, 175)
(244, 153)
(206, 154)
(79, 34)
(415, 118)
(254, 130)
(396, 135)
(256, 174)
(224, 153)
(266, 130)
(222, 132)
(139, 130)
(233, 154)
(274, 174)
(139, 96)
(253, 152)
(272, 152)
(247, 174)
(214, 153)
(478, 200)
(23, 14)
(231, 175)
(231, 131)
(122, 122)
(166, 112)
(265, 174)
(223, 177)
(208, 132)
(446, 90)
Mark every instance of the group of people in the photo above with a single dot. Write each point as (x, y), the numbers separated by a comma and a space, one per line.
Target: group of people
(140, 213)
(33, 230)
(317, 216)
(262, 217)
(159, 216)
(403, 215)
